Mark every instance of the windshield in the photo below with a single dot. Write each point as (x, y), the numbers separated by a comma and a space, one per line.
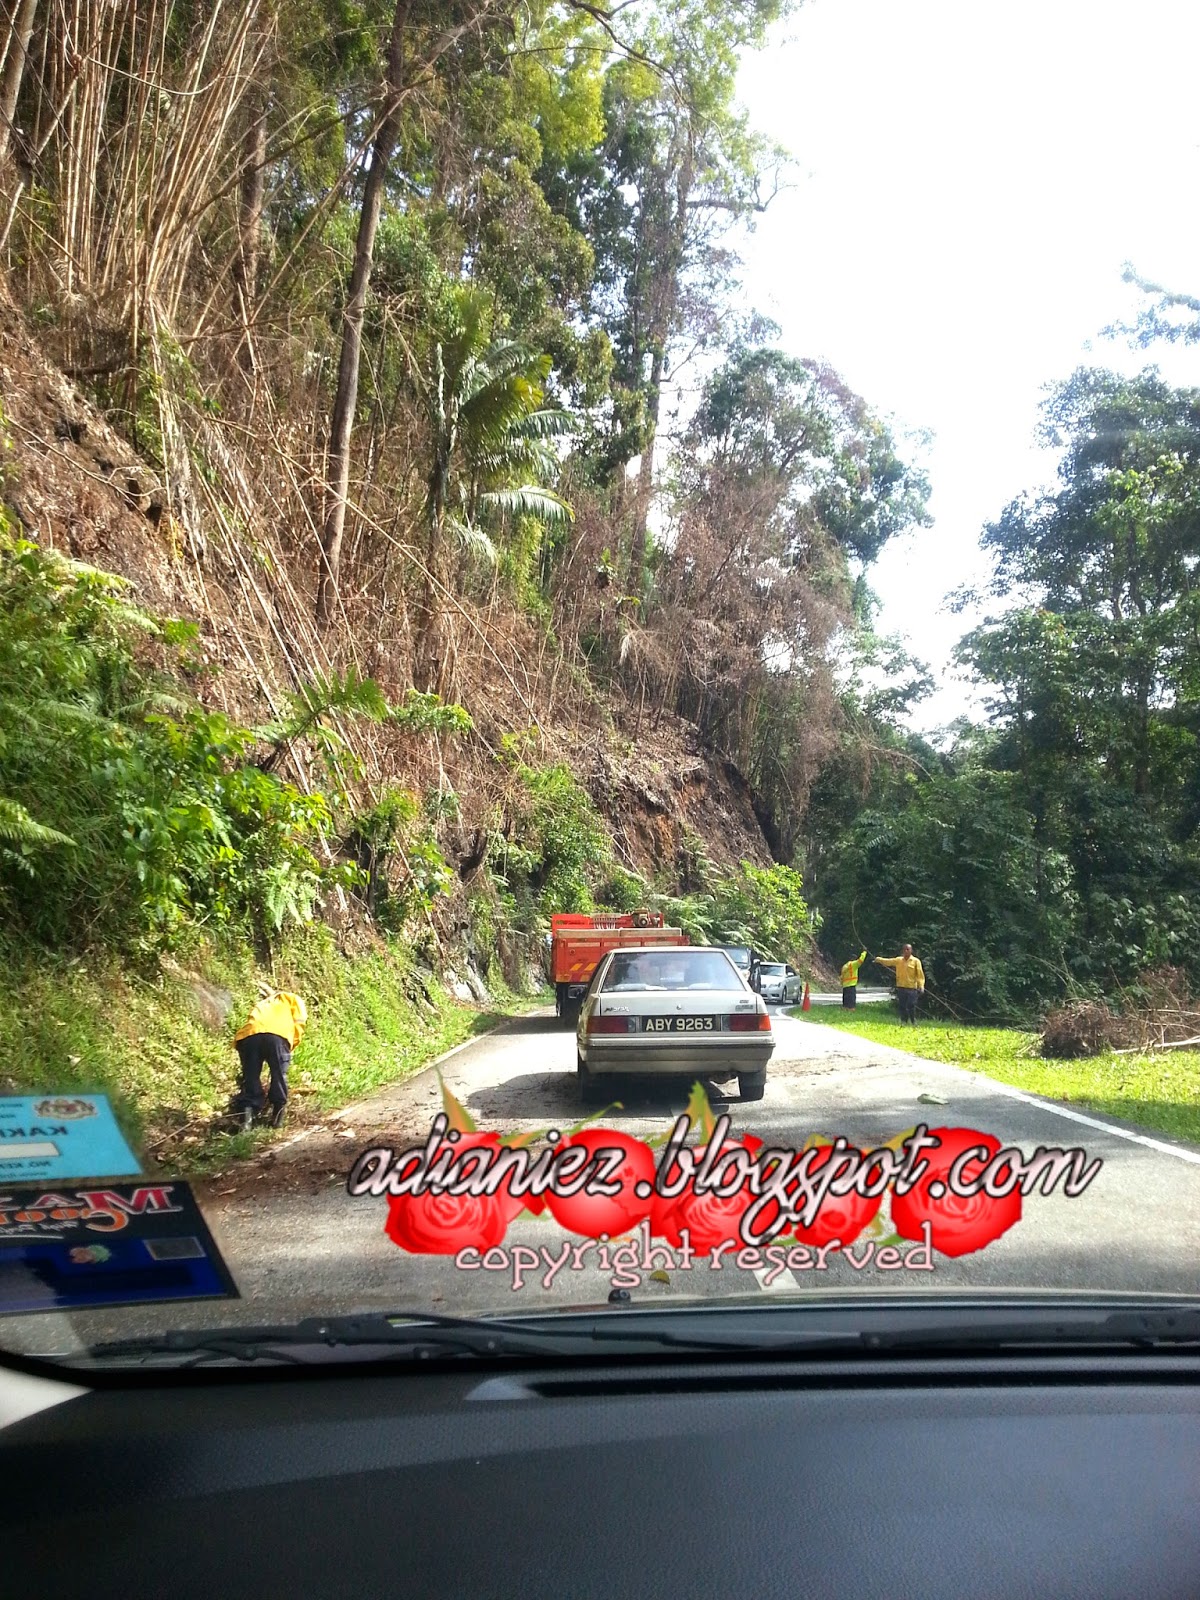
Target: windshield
(491, 510)
(699, 969)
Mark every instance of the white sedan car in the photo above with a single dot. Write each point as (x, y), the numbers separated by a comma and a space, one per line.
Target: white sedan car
(775, 981)
(683, 1011)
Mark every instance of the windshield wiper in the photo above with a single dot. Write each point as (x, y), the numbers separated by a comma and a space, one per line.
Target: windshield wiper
(426, 1335)
(1147, 1329)
(421, 1334)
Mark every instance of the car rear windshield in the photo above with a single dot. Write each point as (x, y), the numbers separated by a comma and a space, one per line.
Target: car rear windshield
(672, 969)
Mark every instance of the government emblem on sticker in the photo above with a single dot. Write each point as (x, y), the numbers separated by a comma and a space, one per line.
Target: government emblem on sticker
(66, 1110)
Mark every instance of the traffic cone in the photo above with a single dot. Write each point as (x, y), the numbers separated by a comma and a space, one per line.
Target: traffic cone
(806, 1003)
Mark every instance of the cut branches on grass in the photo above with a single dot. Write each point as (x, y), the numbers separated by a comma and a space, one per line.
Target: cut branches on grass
(1148, 1090)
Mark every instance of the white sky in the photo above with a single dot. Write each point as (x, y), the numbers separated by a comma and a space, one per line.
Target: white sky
(969, 182)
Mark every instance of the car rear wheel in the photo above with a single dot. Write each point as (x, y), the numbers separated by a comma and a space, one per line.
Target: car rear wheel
(752, 1085)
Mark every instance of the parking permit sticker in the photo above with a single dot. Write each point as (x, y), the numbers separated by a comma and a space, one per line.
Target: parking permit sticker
(48, 1138)
(108, 1244)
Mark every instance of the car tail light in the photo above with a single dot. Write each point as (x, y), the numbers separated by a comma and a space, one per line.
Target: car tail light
(750, 1022)
(608, 1024)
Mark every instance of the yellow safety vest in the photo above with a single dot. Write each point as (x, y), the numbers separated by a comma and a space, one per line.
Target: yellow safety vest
(850, 972)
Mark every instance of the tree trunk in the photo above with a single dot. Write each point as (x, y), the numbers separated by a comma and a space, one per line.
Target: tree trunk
(429, 657)
(254, 184)
(637, 553)
(664, 300)
(20, 29)
(337, 471)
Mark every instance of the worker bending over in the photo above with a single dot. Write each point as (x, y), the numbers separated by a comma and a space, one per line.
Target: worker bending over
(273, 1030)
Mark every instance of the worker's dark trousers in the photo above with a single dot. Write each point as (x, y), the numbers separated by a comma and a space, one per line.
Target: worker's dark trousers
(261, 1050)
(849, 997)
(906, 999)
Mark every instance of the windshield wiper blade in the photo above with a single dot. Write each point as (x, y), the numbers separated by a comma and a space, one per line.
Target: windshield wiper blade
(426, 1335)
(419, 1333)
(416, 1331)
(1141, 1329)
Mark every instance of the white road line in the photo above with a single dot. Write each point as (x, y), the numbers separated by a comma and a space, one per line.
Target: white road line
(1192, 1156)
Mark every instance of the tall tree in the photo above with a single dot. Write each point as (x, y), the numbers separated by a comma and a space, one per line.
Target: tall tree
(345, 400)
(678, 169)
(491, 451)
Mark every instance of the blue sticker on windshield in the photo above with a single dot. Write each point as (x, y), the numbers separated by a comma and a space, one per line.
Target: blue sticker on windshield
(46, 1138)
(69, 1249)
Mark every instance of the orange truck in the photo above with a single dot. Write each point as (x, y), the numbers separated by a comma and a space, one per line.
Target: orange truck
(579, 942)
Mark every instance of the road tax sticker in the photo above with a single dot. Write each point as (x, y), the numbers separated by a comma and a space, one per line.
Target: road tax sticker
(69, 1249)
(49, 1138)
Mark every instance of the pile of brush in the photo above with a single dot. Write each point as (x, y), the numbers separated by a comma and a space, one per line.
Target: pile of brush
(1158, 1012)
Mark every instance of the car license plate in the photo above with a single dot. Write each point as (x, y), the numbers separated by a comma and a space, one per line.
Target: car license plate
(680, 1024)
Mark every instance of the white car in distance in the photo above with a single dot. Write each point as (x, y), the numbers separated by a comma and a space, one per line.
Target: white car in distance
(678, 1011)
(776, 981)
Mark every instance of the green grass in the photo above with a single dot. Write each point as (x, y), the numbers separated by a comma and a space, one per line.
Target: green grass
(1153, 1091)
(92, 1025)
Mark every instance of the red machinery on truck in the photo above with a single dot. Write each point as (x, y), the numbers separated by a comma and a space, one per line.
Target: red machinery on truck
(579, 942)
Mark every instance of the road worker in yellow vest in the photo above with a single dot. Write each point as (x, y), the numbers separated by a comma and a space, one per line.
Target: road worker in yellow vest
(273, 1030)
(910, 981)
(850, 982)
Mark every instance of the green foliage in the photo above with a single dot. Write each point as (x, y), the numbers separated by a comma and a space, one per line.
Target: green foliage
(126, 824)
(492, 432)
(396, 848)
(763, 907)
(552, 848)
(766, 417)
(1056, 852)
(310, 709)
(623, 890)
(954, 868)
(429, 713)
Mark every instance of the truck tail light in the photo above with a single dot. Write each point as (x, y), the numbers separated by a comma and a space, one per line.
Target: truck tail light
(750, 1022)
(597, 1024)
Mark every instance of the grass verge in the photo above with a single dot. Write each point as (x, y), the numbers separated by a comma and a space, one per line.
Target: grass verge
(1152, 1091)
(160, 1046)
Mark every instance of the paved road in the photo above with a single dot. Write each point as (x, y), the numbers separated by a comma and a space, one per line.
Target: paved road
(298, 1245)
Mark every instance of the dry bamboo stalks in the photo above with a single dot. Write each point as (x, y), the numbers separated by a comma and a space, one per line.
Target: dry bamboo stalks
(141, 146)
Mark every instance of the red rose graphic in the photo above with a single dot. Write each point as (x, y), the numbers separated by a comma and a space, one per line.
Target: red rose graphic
(710, 1219)
(958, 1225)
(594, 1214)
(840, 1216)
(444, 1224)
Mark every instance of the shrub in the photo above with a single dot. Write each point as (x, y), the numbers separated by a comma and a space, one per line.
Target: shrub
(554, 846)
(623, 891)
(397, 852)
(129, 813)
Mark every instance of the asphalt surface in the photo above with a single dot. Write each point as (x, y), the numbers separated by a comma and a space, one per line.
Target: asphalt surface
(298, 1245)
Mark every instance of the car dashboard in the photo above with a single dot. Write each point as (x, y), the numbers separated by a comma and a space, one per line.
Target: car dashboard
(889, 1479)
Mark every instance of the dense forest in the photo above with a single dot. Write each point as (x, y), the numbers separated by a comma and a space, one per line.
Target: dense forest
(359, 563)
